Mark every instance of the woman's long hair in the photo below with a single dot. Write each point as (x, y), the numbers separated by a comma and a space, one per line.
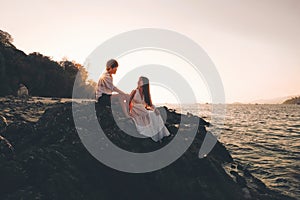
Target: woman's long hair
(145, 92)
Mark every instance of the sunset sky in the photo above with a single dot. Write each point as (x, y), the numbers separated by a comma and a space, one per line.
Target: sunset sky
(255, 45)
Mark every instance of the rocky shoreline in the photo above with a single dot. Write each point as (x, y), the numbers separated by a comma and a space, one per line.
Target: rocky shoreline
(42, 157)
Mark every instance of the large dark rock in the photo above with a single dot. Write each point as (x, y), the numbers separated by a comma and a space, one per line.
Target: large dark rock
(50, 162)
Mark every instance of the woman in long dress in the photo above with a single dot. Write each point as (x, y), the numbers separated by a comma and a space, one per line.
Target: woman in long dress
(147, 118)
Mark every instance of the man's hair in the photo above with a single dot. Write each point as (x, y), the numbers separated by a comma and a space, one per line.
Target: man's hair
(112, 63)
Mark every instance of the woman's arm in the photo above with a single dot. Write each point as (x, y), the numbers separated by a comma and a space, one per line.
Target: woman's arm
(153, 107)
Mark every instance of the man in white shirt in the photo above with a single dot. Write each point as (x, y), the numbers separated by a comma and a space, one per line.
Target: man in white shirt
(105, 84)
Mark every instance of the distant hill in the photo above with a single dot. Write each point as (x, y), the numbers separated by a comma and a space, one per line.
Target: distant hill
(41, 75)
(294, 100)
(237, 103)
(277, 100)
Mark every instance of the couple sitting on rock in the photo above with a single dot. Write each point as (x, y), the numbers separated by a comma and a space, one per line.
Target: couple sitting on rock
(139, 104)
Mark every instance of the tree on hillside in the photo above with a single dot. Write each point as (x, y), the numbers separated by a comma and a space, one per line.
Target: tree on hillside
(6, 39)
(73, 70)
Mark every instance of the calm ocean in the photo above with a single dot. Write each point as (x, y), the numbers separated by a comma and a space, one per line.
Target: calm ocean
(264, 138)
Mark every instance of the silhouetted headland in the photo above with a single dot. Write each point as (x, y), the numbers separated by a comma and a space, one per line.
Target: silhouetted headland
(294, 100)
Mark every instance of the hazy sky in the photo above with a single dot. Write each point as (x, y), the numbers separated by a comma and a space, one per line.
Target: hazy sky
(255, 44)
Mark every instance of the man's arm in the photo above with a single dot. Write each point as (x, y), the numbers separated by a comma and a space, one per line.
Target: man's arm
(115, 89)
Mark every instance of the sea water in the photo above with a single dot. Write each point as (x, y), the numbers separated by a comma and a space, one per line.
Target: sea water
(264, 138)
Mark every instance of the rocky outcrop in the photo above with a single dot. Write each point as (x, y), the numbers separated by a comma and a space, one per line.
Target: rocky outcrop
(49, 161)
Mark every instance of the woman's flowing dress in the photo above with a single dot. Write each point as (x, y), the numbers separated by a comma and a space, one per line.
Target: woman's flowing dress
(147, 122)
